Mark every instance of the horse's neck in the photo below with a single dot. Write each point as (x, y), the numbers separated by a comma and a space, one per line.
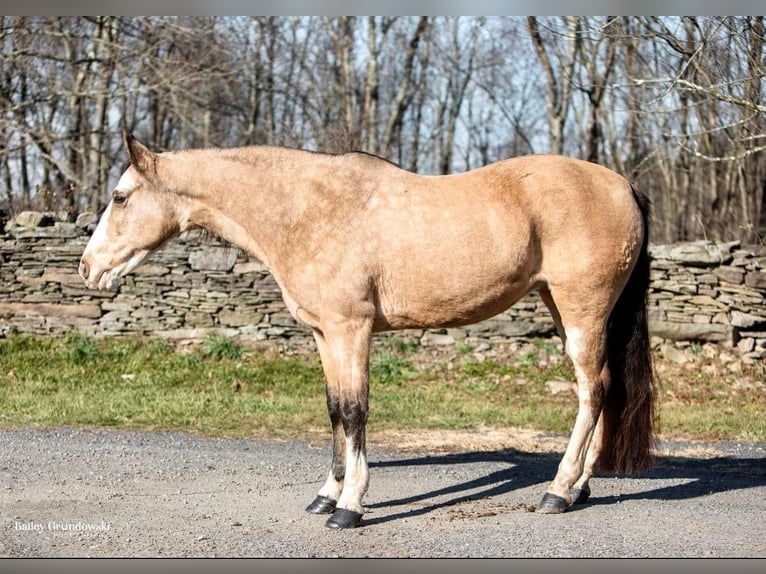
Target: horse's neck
(250, 207)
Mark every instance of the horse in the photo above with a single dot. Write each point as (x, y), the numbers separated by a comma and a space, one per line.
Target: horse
(359, 246)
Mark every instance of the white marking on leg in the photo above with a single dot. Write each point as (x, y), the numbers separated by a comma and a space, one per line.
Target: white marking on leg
(575, 349)
(331, 488)
(570, 468)
(574, 343)
(357, 478)
(591, 458)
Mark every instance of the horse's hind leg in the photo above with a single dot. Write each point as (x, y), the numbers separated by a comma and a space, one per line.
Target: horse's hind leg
(547, 298)
(585, 336)
(581, 489)
(580, 492)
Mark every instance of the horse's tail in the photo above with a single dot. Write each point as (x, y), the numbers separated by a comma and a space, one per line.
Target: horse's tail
(629, 406)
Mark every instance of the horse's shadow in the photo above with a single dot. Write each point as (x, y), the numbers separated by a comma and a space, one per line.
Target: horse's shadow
(703, 476)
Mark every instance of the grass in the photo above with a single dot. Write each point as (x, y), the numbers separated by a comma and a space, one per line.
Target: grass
(217, 389)
(221, 388)
(219, 347)
(697, 404)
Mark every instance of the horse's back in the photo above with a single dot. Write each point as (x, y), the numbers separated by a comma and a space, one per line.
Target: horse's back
(449, 250)
(547, 203)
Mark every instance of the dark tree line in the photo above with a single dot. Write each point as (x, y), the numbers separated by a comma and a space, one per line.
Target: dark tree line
(675, 104)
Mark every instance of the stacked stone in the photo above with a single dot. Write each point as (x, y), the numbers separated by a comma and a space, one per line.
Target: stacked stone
(197, 285)
(194, 286)
(704, 291)
(40, 291)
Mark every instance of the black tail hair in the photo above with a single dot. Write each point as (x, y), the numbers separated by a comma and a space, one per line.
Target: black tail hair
(629, 417)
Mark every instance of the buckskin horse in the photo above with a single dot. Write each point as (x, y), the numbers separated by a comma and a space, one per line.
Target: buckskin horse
(360, 246)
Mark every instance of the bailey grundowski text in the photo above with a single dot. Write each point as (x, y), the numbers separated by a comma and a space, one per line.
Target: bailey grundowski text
(51, 525)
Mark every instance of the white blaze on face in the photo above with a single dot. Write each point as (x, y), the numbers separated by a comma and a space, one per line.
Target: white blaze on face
(99, 239)
(98, 251)
(128, 181)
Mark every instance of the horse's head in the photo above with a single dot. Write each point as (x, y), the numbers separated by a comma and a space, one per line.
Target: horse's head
(140, 217)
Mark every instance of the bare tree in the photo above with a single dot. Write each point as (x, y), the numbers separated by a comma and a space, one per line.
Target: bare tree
(559, 53)
(674, 103)
(599, 50)
(404, 95)
(459, 55)
(701, 89)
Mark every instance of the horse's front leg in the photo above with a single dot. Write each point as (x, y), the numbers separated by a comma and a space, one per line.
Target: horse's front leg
(346, 344)
(327, 497)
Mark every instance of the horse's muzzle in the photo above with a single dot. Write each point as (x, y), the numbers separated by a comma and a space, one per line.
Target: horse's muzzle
(84, 269)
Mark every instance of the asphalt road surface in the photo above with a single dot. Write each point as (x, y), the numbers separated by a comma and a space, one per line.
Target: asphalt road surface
(116, 494)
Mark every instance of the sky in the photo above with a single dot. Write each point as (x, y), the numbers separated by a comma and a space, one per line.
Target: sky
(378, 8)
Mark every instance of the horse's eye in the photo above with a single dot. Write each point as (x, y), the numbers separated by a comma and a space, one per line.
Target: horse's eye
(119, 198)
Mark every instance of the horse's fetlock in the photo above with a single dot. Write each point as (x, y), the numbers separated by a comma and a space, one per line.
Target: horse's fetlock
(338, 472)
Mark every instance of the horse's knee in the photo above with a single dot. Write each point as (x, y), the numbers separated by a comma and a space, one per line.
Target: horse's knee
(333, 407)
(353, 416)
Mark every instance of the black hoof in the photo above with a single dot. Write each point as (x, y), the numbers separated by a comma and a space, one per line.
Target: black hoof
(343, 518)
(322, 505)
(580, 495)
(552, 504)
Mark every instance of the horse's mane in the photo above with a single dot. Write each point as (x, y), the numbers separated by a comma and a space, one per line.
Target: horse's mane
(371, 156)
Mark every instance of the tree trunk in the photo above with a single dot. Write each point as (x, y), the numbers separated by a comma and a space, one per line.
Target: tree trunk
(403, 98)
(559, 88)
(371, 87)
(420, 104)
(456, 89)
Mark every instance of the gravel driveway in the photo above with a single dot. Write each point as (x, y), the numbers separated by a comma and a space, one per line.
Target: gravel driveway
(98, 493)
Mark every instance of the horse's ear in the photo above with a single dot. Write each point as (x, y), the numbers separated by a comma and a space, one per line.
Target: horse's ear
(140, 157)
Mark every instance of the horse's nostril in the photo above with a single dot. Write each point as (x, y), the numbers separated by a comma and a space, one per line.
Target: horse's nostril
(84, 270)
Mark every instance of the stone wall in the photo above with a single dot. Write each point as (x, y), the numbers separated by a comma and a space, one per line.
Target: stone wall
(700, 292)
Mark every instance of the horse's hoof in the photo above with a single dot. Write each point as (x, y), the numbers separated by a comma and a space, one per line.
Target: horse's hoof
(580, 495)
(343, 518)
(321, 505)
(552, 504)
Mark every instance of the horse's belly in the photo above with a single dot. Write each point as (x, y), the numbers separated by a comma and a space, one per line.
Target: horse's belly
(430, 305)
(452, 265)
